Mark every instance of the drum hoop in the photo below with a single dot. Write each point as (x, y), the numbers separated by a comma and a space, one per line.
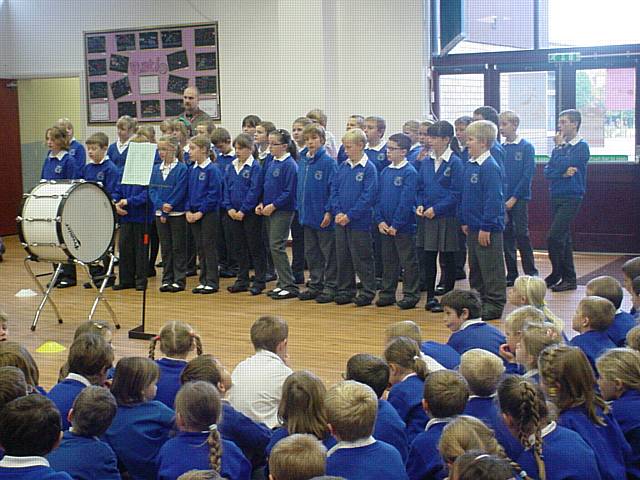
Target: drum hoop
(21, 236)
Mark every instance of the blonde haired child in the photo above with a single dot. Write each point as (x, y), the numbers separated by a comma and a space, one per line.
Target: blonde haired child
(529, 290)
(298, 457)
(609, 288)
(117, 152)
(535, 338)
(513, 326)
(436, 355)
(594, 315)
(633, 338)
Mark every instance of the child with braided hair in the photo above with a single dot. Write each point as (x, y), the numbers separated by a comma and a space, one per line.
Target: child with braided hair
(535, 338)
(477, 465)
(199, 444)
(177, 340)
(569, 381)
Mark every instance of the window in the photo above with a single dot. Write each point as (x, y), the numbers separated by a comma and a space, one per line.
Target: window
(460, 95)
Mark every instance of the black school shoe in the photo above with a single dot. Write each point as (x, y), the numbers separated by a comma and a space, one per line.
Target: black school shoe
(256, 290)
(406, 304)
(66, 284)
(563, 286)
(309, 295)
(121, 286)
(343, 300)
(235, 288)
(324, 298)
(551, 280)
(284, 294)
(208, 290)
(385, 302)
(362, 301)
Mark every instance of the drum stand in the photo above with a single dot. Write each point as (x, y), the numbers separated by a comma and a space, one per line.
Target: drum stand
(103, 285)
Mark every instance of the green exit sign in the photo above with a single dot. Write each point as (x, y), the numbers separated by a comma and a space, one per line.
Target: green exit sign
(564, 57)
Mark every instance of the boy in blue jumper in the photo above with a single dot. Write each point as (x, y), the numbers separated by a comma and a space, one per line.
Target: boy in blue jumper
(567, 175)
(490, 114)
(351, 414)
(462, 309)
(519, 166)
(482, 218)
(90, 357)
(316, 172)
(297, 456)
(396, 220)
(354, 121)
(411, 128)
(353, 195)
(374, 372)
(593, 317)
(81, 454)
(29, 430)
(445, 396)
(609, 288)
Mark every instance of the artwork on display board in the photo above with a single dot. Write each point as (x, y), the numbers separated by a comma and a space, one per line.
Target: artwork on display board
(143, 72)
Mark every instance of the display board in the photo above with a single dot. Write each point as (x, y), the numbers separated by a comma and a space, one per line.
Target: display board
(143, 72)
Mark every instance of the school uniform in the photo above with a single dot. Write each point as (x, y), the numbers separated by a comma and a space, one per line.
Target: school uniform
(330, 144)
(482, 209)
(78, 154)
(626, 411)
(136, 435)
(424, 459)
(607, 442)
(297, 233)
(242, 191)
(64, 393)
(282, 432)
(29, 468)
(566, 198)
(264, 158)
(190, 451)
(84, 458)
(228, 261)
(204, 194)
(442, 353)
(365, 459)
(475, 333)
(390, 428)
(406, 397)
(378, 156)
(413, 153)
(117, 152)
(519, 165)
(342, 155)
(169, 380)
(353, 193)
(622, 323)
(251, 437)
(593, 344)
(169, 186)
(566, 456)
(440, 188)
(315, 176)
(395, 206)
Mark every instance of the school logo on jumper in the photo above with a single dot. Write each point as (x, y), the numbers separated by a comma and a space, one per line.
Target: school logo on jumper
(359, 176)
(246, 174)
(100, 176)
(276, 172)
(518, 155)
(447, 172)
(474, 178)
(397, 181)
(58, 169)
(202, 176)
(381, 156)
(318, 175)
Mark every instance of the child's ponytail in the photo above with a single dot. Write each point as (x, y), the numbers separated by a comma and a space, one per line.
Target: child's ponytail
(215, 448)
(152, 347)
(405, 352)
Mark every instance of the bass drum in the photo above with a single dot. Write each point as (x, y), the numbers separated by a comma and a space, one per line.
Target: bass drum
(65, 221)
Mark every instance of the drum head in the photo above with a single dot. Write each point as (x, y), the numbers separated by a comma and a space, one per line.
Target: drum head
(88, 222)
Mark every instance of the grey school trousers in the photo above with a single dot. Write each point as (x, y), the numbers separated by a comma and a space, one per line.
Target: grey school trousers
(278, 226)
(173, 240)
(320, 254)
(354, 254)
(486, 273)
(399, 251)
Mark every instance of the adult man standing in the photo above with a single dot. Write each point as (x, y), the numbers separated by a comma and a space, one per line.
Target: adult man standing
(192, 115)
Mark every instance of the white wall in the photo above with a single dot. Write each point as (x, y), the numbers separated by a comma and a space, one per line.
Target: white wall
(278, 58)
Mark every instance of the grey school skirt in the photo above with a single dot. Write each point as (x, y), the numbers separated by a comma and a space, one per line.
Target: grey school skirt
(439, 234)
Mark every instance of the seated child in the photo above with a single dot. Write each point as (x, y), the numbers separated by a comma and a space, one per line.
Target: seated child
(199, 444)
(440, 353)
(374, 372)
(445, 396)
(298, 457)
(407, 373)
(593, 317)
(531, 291)
(81, 454)
(633, 338)
(609, 288)
(12, 385)
(351, 414)
(29, 430)
(619, 383)
(546, 444)
(141, 425)
(569, 381)
(513, 326)
(90, 357)
(250, 436)
(96, 327)
(478, 465)
(462, 310)
(535, 338)
(177, 340)
(4, 324)
(13, 354)
(631, 273)
(258, 380)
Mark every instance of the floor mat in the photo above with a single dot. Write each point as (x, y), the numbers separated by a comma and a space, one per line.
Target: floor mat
(612, 269)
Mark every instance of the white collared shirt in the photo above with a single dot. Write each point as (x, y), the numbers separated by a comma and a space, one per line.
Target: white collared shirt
(472, 321)
(257, 386)
(362, 161)
(166, 169)
(363, 442)
(104, 159)
(414, 146)
(516, 141)
(544, 432)
(434, 421)
(480, 160)
(530, 373)
(23, 462)
(574, 141)
(282, 158)
(262, 154)
(58, 156)
(122, 146)
(445, 157)
(378, 147)
(78, 378)
(480, 396)
(230, 153)
(236, 163)
(204, 164)
(400, 165)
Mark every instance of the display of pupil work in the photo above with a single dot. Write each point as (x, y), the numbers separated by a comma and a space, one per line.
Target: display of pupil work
(143, 73)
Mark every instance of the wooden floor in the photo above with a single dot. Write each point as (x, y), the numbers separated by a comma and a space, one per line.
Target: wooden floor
(322, 337)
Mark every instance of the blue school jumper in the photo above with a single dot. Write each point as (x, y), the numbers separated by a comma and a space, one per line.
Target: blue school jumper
(36, 471)
(63, 395)
(78, 154)
(242, 191)
(138, 211)
(441, 189)
(190, 451)
(396, 203)
(172, 190)
(84, 458)
(136, 435)
(280, 182)
(390, 428)
(406, 397)
(204, 191)
(412, 155)
(566, 456)
(378, 156)
(617, 331)
(608, 442)
(442, 353)
(482, 203)
(498, 153)
(477, 335)
(223, 161)
(116, 157)
(376, 461)
(519, 167)
(342, 155)
(563, 157)
(251, 437)
(424, 459)
(282, 432)
(315, 175)
(593, 344)
(106, 173)
(60, 167)
(354, 193)
(169, 381)
(626, 410)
